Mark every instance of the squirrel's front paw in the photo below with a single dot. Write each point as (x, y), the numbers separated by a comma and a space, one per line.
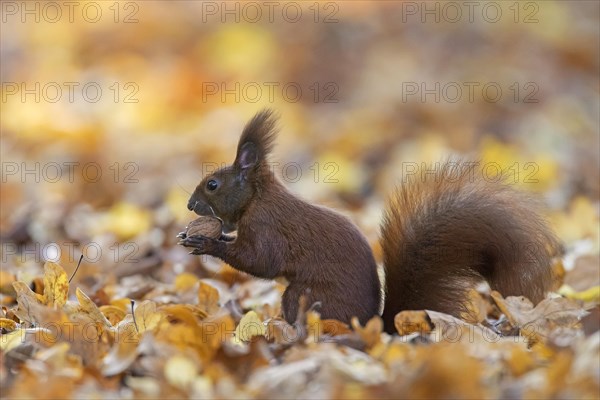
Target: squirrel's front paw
(200, 244)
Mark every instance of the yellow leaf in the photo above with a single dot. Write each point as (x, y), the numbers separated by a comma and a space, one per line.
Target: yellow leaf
(182, 313)
(123, 304)
(185, 281)
(208, 298)
(8, 324)
(56, 285)
(89, 307)
(11, 340)
(112, 313)
(146, 316)
(591, 295)
(249, 327)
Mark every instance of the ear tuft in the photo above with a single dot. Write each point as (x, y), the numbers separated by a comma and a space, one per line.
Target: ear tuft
(257, 139)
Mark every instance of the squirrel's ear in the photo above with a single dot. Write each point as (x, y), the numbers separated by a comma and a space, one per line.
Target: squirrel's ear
(257, 140)
(247, 156)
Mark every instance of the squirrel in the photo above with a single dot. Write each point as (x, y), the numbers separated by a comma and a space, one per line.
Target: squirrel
(440, 236)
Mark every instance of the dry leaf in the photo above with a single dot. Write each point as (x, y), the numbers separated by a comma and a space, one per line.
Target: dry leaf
(281, 332)
(26, 300)
(334, 327)
(314, 325)
(249, 327)
(407, 322)
(208, 298)
(146, 316)
(113, 314)
(124, 351)
(8, 324)
(371, 333)
(11, 340)
(56, 285)
(537, 323)
(86, 305)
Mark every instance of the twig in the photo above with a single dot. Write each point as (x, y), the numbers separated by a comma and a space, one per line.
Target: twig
(76, 268)
(133, 314)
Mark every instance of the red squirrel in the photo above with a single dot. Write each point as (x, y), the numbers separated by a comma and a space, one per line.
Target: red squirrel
(441, 235)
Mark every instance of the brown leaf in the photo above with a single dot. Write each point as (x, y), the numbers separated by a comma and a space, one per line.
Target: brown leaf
(26, 299)
(371, 333)
(407, 322)
(539, 321)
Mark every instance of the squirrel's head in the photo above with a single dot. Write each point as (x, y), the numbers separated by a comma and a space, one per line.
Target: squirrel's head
(227, 192)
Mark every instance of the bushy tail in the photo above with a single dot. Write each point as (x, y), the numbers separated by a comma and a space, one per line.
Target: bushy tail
(445, 233)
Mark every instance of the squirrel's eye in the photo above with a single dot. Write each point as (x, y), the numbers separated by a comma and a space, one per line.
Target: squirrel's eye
(212, 185)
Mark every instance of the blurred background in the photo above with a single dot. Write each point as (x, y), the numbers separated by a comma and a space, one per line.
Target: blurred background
(113, 111)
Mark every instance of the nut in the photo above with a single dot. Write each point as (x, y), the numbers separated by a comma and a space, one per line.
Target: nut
(205, 226)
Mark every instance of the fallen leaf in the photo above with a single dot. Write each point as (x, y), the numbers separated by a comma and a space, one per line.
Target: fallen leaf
(124, 351)
(89, 307)
(250, 326)
(591, 295)
(8, 324)
(407, 322)
(208, 298)
(538, 322)
(146, 316)
(371, 333)
(26, 300)
(11, 340)
(56, 285)
(112, 313)
(334, 327)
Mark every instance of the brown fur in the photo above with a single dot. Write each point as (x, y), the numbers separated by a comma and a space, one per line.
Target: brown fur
(439, 236)
(321, 253)
(443, 234)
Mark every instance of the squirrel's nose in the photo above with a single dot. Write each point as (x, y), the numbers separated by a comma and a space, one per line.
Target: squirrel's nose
(192, 204)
